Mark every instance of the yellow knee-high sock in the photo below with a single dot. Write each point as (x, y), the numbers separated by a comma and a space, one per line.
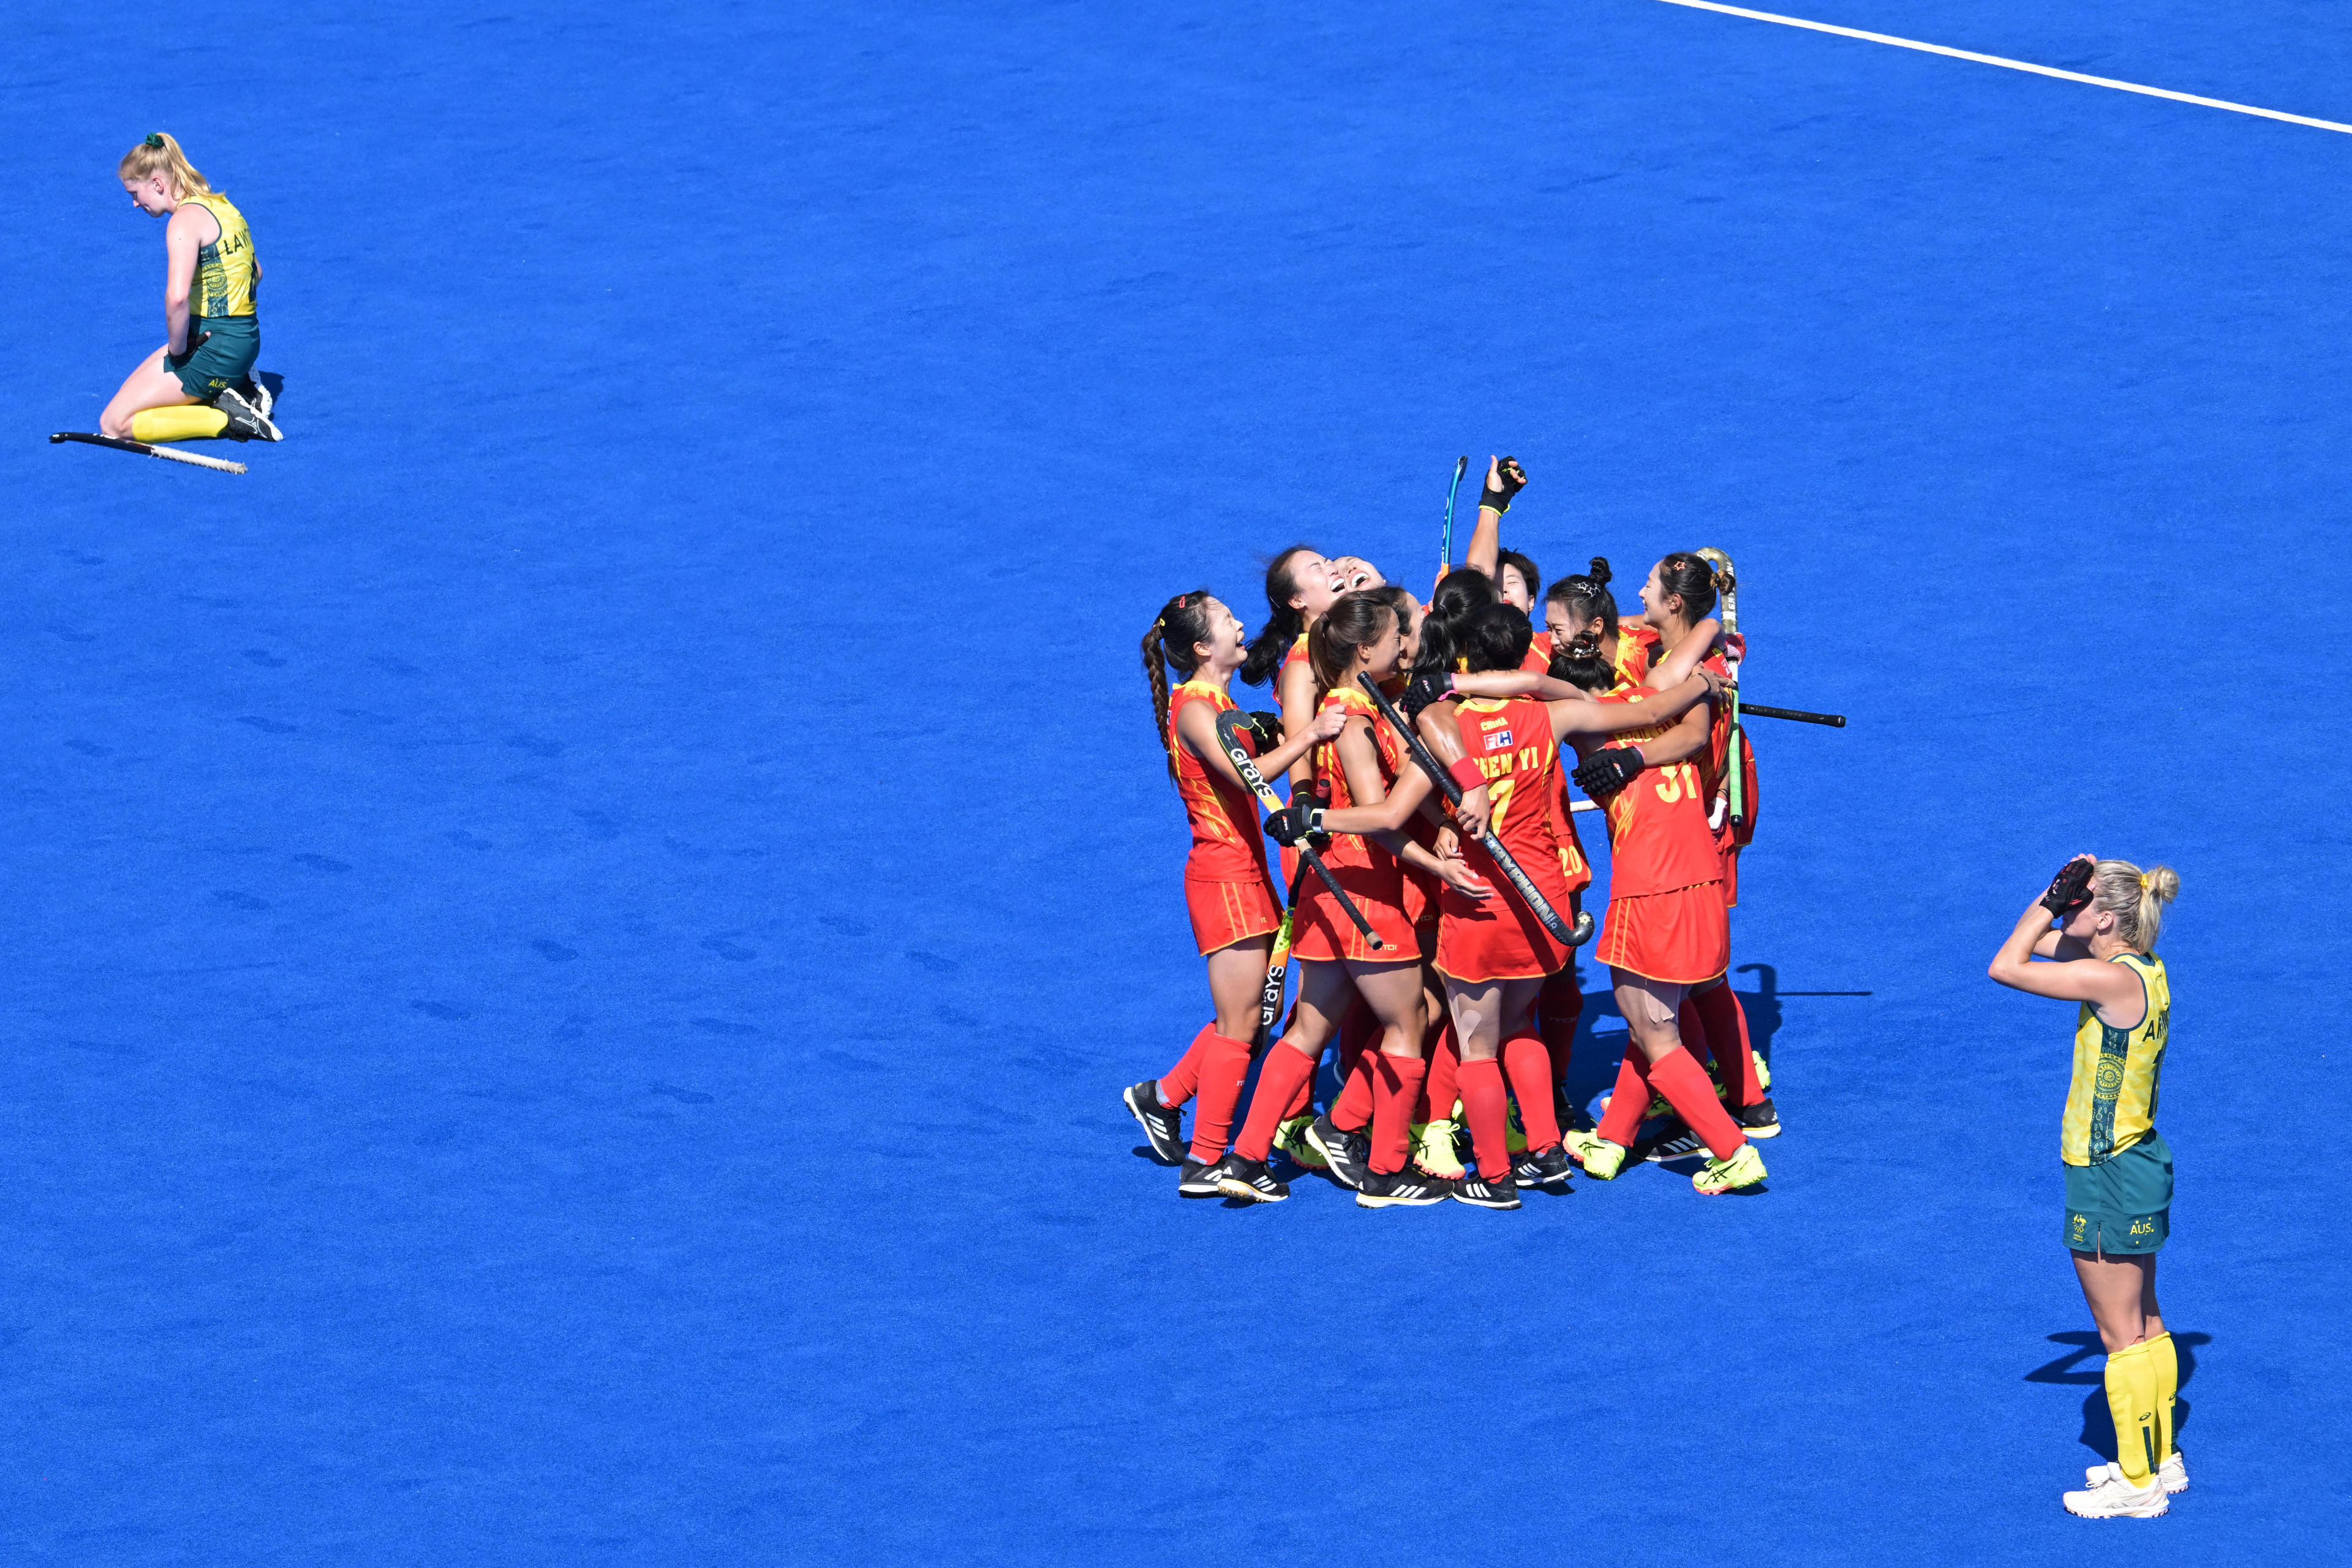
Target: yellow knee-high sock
(2131, 1400)
(187, 422)
(2166, 1364)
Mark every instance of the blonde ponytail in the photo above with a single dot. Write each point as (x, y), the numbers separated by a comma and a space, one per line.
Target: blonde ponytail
(2137, 899)
(159, 150)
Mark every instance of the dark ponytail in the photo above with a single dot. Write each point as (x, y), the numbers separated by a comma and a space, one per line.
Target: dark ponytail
(1691, 578)
(1587, 597)
(1494, 638)
(1182, 625)
(1457, 598)
(1580, 662)
(1354, 622)
(1283, 621)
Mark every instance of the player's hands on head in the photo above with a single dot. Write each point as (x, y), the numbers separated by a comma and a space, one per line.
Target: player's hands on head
(1607, 770)
(2070, 889)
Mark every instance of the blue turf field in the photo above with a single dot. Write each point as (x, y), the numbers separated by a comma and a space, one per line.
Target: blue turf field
(579, 930)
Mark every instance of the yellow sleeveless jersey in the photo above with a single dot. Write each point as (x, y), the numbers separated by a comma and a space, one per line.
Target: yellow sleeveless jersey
(226, 269)
(2112, 1103)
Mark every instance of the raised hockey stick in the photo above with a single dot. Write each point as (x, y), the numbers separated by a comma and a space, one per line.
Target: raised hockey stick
(1534, 900)
(1728, 585)
(1835, 721)
(198, 458)
(1445, 540)
(1228, 724)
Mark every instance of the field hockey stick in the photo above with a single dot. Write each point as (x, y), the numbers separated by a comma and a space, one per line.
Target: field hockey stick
(1278, 969)
(1731, 770)
(198, 458)
(1835, 721)
(1445, 540)
(1536, 903)
(1228, 724)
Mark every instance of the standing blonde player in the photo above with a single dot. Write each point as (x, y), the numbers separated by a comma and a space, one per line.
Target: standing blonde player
(200, 382)
(2097, 926)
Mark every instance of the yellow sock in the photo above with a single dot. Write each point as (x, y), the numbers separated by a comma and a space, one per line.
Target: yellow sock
(2131, 1400)
(186, 422)
(2166, 1366)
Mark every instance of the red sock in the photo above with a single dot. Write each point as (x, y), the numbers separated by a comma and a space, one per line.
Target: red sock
(1353, 1109)
(1726, 1023)
(1397, 1082)
(1560, 1006)
(1225, 1062)
(1303, 1101)
(1487, 1110)
(1442, 1086)
(1693, 1029)
(1286, 1067)
(1177, 1083)
(1622, 1122)
(1528, 1065)
(1689, 1091)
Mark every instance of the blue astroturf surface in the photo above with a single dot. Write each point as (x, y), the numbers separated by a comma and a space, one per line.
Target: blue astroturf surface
(578, 931)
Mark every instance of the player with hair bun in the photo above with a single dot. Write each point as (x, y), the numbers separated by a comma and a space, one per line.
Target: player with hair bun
(1226, 885)
(2095, 929)
(200, 382)
(1582, 604)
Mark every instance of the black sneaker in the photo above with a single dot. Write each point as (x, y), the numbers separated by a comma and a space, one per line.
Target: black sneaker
(1349, 1152)
(1542, 1168)
(1758, 1120)
(1678, 1142)
(1199, 1180)
(246, 422)
(1163, 1129)
(1483, 1192)
(1407, 1188)
(1237, 1177)
(256, 393)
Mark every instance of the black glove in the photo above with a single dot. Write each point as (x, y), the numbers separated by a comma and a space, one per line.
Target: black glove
(2070, 889)
(176, 361)
(1511, 477)
(1266, 728)
(1296, 822)
(1607, 771)
(1424, 689)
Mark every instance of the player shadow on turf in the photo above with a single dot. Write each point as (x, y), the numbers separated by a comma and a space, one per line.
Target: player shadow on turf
(275, 384)
(2098, 1425)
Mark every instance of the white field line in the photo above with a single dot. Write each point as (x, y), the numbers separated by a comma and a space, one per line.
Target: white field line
(2013, 65)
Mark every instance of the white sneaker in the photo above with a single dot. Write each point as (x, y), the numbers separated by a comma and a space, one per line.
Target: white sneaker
(2109, 1498)
(2172, 1475)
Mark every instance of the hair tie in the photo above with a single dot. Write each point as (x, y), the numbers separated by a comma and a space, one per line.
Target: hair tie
(2144, 880)
(154, 139)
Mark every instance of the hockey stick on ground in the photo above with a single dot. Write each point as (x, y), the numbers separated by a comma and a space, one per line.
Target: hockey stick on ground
(1835, 721)
(199, 459)
(1536, 903)
(1445, 540)
(1228, 722)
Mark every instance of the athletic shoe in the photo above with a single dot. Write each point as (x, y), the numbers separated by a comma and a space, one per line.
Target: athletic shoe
(1744, 1169)
(1434, 1152)
(1407, 1188)
(1679, 1142)
(256, 393)
(1515, 1136)
(2110, 1496)
(246, 422)
(2172, 1475)
(1758, 1120)
(1199, 1179)
(1659, 1109)
(1349, 1153)
(1570, 1120)
(1163, 1129)
(1486, 1191)
(1542, 1168)
(1763, 1071)
(1601, 1159)
(1291, 1139)
(1237, 1177)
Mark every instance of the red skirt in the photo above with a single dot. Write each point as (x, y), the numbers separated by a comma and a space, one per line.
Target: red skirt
(1226, 912)
(1324, 934)
(1683, 938)
(1501, 939)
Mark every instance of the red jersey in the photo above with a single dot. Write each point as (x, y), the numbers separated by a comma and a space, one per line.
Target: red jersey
(1637, 649)
(1510, 738)
(1353, 849)
(1658, 835)
(1538, 659)
(1227, 846)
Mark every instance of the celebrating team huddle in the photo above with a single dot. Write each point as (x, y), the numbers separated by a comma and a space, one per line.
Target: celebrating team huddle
(1436, 874)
